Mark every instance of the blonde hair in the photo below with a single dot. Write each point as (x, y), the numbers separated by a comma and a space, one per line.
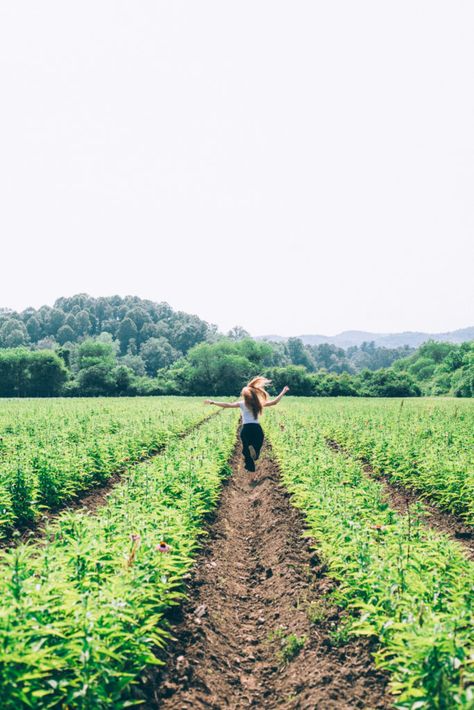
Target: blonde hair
(255, 394)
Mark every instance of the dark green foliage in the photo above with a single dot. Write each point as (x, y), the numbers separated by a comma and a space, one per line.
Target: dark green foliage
(388, 383)
(31, 374)
(97, 380)
(158, 353)
(94, 352)
(442, 368)
(65, 334)
(298, 379)
(127, 331)
(332, 385)
(300, 354)
(220, 368)
(128, 346)
(79, 317)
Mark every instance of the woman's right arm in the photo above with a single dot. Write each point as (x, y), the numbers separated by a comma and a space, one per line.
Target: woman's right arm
(226, 405)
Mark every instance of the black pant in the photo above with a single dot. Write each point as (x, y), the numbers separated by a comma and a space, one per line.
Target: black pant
(251, 435)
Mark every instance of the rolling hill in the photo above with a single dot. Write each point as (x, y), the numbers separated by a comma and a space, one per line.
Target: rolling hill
(348, 338)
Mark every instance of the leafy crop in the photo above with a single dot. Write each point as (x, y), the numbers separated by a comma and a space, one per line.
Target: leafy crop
(425, 445)
(407, 586)
(52, 450)
(82, 613)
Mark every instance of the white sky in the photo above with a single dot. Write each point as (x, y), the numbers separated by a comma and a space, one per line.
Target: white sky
(294, 167)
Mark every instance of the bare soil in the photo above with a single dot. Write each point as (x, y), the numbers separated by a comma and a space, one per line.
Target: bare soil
(401, 499)
(257, 594)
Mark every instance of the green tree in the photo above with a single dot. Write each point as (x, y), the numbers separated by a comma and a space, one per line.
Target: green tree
(135, 363)
(13, 333)
(388, 383)
(298, 379)
(157, 353)
(56, 319)
(124, 379)
(65, 334)
(93, 352)
(299, 354)
(16, 338)
(97, 380)
(33, 328)
(127, 331)
(238, 333)
(139, 316)
(24, 373)
(187, 332)
(83, 323)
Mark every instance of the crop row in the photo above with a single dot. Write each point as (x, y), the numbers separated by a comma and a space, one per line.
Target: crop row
(53, 450)
(82, 615)
(424, 445)
(408, 587)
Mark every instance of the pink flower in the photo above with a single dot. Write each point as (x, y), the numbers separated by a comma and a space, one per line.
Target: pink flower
(163, 547)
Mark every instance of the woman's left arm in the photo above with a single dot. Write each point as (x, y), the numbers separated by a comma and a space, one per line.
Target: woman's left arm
(272, 402)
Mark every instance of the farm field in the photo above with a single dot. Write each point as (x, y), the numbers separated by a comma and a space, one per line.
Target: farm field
(330, 598)
(81, 613)
(408, 586)
(425, 445)
(53, 450)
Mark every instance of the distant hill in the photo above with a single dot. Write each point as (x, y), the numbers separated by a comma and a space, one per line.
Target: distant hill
(348, 338)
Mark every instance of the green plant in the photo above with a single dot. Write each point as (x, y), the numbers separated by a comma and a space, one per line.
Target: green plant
(316, 611)
(340, 635)
(84, 613)
(54, 450)
(290, 644)
(399, 581)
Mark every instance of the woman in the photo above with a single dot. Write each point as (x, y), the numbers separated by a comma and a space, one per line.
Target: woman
(254, 399)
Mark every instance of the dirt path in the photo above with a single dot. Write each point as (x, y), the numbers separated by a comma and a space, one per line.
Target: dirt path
(401, 499)
(255, 585)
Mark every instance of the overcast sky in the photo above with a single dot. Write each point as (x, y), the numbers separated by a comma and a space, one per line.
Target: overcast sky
(293, 167)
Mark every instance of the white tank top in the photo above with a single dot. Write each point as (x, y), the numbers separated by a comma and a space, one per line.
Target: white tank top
(247, 414)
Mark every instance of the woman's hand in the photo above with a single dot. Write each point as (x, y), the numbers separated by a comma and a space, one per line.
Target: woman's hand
(285, 389)
(208, 401)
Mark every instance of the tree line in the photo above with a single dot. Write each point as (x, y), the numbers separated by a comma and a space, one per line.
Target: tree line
(84, 346)
(221, 368)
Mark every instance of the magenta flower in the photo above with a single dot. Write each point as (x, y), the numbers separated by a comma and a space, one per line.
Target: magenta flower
(163, 547)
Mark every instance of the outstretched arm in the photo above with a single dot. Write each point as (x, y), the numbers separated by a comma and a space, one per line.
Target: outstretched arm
(226, 405)
(272, 402)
